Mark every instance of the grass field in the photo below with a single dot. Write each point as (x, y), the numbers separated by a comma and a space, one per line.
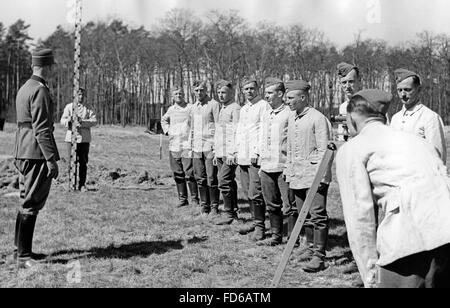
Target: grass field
(125, 234)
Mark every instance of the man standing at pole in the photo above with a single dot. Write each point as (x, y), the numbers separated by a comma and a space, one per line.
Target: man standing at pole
(247, 142)
(205, 112)
(35, 153)
(309, 133)
(225, 150)
(415, 117)
(86, 120)
(176, 123)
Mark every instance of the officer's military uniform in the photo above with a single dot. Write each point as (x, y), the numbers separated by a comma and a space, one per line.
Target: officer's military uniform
(34, 146)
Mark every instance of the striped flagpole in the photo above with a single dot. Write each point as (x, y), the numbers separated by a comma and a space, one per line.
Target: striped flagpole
(73, 169)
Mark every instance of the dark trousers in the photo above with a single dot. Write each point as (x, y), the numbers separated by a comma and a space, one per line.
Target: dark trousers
(430, 269)
(82, 152)
(228, 186)
(34, 185)
(204, 170)
(251, 184)
(318, 216)
(182, 168)
(275, 190)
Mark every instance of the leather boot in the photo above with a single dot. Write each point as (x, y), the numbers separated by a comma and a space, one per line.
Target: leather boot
(292, 220)
(276, 226)
(307, 253)
(230, 214)
(214, 196)
(16, 235)
(317, 263)
(25, 241)
(193, 188)
(260, 226)
(182, 194)
(204, 199)
(249, 227)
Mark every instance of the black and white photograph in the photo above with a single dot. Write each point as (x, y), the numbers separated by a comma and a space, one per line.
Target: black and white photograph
(224, 149)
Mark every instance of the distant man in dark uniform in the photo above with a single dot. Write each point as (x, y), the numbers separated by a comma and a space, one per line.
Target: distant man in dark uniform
(35, 153)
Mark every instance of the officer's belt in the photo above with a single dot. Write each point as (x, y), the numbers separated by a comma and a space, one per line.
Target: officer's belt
(24, 125)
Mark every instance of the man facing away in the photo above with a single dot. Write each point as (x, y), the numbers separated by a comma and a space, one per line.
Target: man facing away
(402, 174)
(86, 120)
(35, 153)
(415, 117)
(177, 124)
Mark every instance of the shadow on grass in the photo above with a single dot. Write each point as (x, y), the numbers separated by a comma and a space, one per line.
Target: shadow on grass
(128, 251)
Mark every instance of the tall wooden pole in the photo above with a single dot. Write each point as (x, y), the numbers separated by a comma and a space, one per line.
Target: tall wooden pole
(73, 169)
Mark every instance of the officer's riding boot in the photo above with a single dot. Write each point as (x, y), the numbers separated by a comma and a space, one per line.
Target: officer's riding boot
(249, 227)
(317, 262)
(260, 226)
(204, 199)
(25, 242)
(230, 214)
(292, 219)
(307, 253)
(193, 188)
(276, 226)
(214, 196)
(182, 194)
(16, 236)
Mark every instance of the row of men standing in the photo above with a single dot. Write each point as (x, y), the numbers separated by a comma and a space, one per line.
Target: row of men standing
(277, 144)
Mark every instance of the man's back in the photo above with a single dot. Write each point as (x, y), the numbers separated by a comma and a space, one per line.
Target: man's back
(404, 175)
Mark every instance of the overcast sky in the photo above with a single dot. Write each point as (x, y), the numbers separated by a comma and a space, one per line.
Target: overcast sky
(393, 20)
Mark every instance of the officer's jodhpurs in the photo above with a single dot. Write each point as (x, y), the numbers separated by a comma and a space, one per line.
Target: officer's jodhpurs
(34, 185)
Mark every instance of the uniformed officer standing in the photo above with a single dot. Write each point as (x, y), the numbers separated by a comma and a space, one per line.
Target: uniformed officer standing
(35, 152)
(272, 152)
(225, 150)
(350, 80)
(309, 133)
(403, 174)
(415, 117)
(205, 112)
(177, 124)
(247, 141)
(86, 119)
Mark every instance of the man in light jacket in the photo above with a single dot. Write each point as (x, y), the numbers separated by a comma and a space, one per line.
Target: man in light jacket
(247, 143)
(404, 176)
(309, 133)
(86, 119)
(415, 117)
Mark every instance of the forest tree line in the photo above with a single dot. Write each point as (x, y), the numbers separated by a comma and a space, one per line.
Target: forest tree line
(128, 72)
